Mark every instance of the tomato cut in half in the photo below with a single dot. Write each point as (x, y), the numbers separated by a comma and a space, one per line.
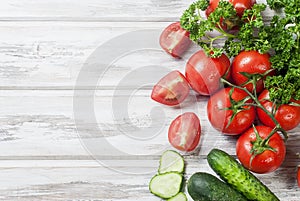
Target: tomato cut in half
(204, 73)
(171, 90)
(252, 63)
(227, 112)
(184, 132)
(287, 115)
(269, 156)
(175, 40)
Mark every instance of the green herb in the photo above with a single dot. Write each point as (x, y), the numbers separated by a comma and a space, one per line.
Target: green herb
(201, 29)
(280, 38)
(223, 20)
(284, 37)
(277, 4)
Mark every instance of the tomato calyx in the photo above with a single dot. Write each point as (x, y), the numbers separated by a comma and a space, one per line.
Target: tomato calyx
(260, 145)
(259, 105)
(253, 78)
(236, 106)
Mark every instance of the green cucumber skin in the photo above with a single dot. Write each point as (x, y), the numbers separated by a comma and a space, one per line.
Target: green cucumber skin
(238, 177)
(206, 187)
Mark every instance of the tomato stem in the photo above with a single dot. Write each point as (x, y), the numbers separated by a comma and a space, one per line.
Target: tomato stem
(236, 106)
(258, 104)
(266, 140)
(260, 145)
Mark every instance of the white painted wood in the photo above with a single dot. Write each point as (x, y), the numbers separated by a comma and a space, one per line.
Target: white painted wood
(41, 123)
(43, 46)
(51, 54)
(47, 127)
(89, 180)
(93, 10)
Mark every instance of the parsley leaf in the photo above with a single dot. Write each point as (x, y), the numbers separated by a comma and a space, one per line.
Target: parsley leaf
(201, 28)
(284, 37)
(280, 38)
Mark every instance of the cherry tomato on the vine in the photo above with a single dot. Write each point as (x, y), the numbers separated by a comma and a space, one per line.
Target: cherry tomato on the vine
(175, 40)
(184, 132)
(172, 89)
(253, 63)
(230, 115)
(204, 73)
(288, 116)
(269, 159)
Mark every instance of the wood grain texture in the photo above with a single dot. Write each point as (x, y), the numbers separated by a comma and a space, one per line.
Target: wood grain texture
(50, 55)
(93, 10)
(47, 127)
(45, 151)
(89, 180)
(49, 124)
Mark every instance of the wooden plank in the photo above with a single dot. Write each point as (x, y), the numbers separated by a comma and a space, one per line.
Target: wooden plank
(89, 180)
(41, 124)
(50, 55)
(47, 127)
(93, 10)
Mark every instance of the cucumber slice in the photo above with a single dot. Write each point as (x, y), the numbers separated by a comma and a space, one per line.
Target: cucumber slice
(166, 185)
(171, 161)
(179, 197)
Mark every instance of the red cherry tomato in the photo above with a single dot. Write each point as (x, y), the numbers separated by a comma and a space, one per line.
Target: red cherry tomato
(251, 62)
(184, 132)
(298, 176)
(172, 89)
(221, 113)
(288, 116)
(175, 40)
(239, 5)
(268, 160)
(204, 73)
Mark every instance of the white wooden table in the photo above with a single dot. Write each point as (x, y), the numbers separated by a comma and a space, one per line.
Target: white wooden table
(47, 150)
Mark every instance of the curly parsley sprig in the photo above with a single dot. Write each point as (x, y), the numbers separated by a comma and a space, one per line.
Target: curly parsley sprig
(221, 20)
(280, 38)
(284, 37)
(201, 29)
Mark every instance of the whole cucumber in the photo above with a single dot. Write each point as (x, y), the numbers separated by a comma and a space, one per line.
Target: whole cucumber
(238, 177)
(206, 187)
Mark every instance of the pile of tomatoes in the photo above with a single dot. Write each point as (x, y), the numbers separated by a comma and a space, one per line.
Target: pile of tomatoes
(231, 110)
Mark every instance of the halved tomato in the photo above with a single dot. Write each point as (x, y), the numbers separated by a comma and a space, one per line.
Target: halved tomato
(175, 40)
(172, 89)
(184, 132)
